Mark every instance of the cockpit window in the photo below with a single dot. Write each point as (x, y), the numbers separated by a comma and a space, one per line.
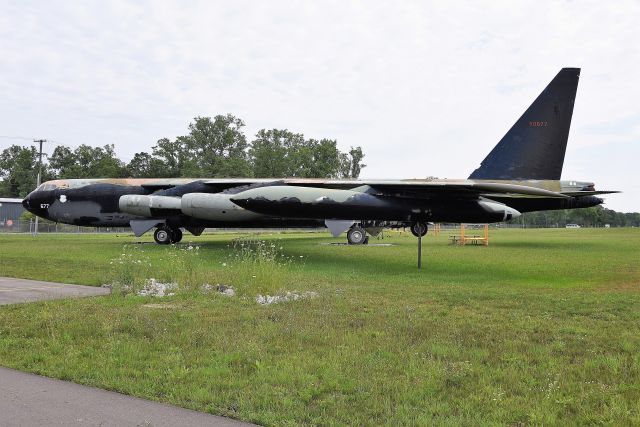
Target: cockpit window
(64, 184)
(47, 186)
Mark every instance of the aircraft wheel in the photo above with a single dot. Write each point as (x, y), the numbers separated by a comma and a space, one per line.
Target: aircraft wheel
(162, 236)
(419, 229)
(356, 236)
(176, 235)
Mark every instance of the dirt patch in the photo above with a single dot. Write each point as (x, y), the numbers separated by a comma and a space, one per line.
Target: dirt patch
(160, 306)
(632, 286)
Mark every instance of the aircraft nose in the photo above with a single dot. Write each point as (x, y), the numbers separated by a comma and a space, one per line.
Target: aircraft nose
(26, 203)
(38, 202)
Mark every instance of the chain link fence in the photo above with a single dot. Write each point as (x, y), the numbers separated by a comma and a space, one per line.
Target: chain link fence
(29, 226)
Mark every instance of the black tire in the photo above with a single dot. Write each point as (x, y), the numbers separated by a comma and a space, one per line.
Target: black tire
(356, 236)
(176, 235)
(419, 229)
(162, 236)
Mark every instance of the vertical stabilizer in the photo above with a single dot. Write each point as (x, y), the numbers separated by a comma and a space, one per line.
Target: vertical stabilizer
(535, 145)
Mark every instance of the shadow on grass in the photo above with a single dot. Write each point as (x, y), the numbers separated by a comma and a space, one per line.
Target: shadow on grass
(546, 245)
(396, 264)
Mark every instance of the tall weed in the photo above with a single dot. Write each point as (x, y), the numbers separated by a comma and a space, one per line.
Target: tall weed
(252, 266)
(258, 266)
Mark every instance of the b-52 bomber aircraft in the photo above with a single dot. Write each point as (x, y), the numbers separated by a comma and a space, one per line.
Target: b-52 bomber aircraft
(521, 174)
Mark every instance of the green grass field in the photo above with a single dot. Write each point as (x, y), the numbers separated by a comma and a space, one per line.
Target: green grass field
(541, 327)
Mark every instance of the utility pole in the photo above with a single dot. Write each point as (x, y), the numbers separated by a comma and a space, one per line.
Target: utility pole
(35, 230)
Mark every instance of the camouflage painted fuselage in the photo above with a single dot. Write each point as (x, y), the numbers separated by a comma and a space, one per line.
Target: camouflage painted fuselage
(95, 203)
(297, 202)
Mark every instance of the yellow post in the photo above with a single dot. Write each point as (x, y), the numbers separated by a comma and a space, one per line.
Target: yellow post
(486, 234)
(462, 242)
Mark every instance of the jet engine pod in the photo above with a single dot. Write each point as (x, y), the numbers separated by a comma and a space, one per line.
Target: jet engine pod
(215, 207)
(498, 212)
(149, 206)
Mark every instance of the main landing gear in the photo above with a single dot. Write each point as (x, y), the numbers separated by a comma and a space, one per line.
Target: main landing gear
(357, 236)
(165, 235)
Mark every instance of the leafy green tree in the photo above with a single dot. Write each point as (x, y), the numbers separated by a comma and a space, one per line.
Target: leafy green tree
(173, 157)
(145, 165)
(215, 147)
(351, 163)
(280, 153)
(323, 159)
(269, 153)
(64, 162)
(19, 170)
(299, 156)
(87, 162)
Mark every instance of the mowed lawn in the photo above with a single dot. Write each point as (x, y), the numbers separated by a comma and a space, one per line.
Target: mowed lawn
(541, 327)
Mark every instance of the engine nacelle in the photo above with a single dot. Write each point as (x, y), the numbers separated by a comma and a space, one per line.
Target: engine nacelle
(149, 206)
(503, 212)
(215, 207)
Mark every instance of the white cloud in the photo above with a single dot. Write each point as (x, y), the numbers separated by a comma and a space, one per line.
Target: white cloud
(424, 88)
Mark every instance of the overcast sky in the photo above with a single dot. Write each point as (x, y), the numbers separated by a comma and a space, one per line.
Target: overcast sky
(427, 89)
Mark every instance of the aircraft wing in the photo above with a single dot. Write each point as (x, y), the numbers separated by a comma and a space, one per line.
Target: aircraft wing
(416, 188)
(468, 188)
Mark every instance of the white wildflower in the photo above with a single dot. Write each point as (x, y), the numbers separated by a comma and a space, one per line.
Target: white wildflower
(289, 296)
(154, 288)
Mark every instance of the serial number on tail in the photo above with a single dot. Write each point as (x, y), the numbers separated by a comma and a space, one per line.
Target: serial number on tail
(538, 124)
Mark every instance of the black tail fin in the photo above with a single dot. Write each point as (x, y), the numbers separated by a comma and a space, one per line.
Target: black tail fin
(535, 145)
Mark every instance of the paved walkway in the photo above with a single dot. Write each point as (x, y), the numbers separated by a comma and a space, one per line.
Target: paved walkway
(13, 291)
(32, 400)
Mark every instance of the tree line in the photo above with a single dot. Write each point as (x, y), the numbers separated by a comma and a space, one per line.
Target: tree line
(596, 216)
(214, 147)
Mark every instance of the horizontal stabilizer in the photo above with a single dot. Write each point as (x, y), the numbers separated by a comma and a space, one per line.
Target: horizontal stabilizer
(587, 193)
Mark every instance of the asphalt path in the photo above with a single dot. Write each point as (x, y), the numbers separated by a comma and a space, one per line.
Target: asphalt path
(32, 400)
(14, 291)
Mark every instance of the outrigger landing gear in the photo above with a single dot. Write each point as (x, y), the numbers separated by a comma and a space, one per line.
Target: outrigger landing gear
(419, 229)
(165, 235)
(357, 236)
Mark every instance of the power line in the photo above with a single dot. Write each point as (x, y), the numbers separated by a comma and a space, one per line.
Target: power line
(32, 139)
(16, 137)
